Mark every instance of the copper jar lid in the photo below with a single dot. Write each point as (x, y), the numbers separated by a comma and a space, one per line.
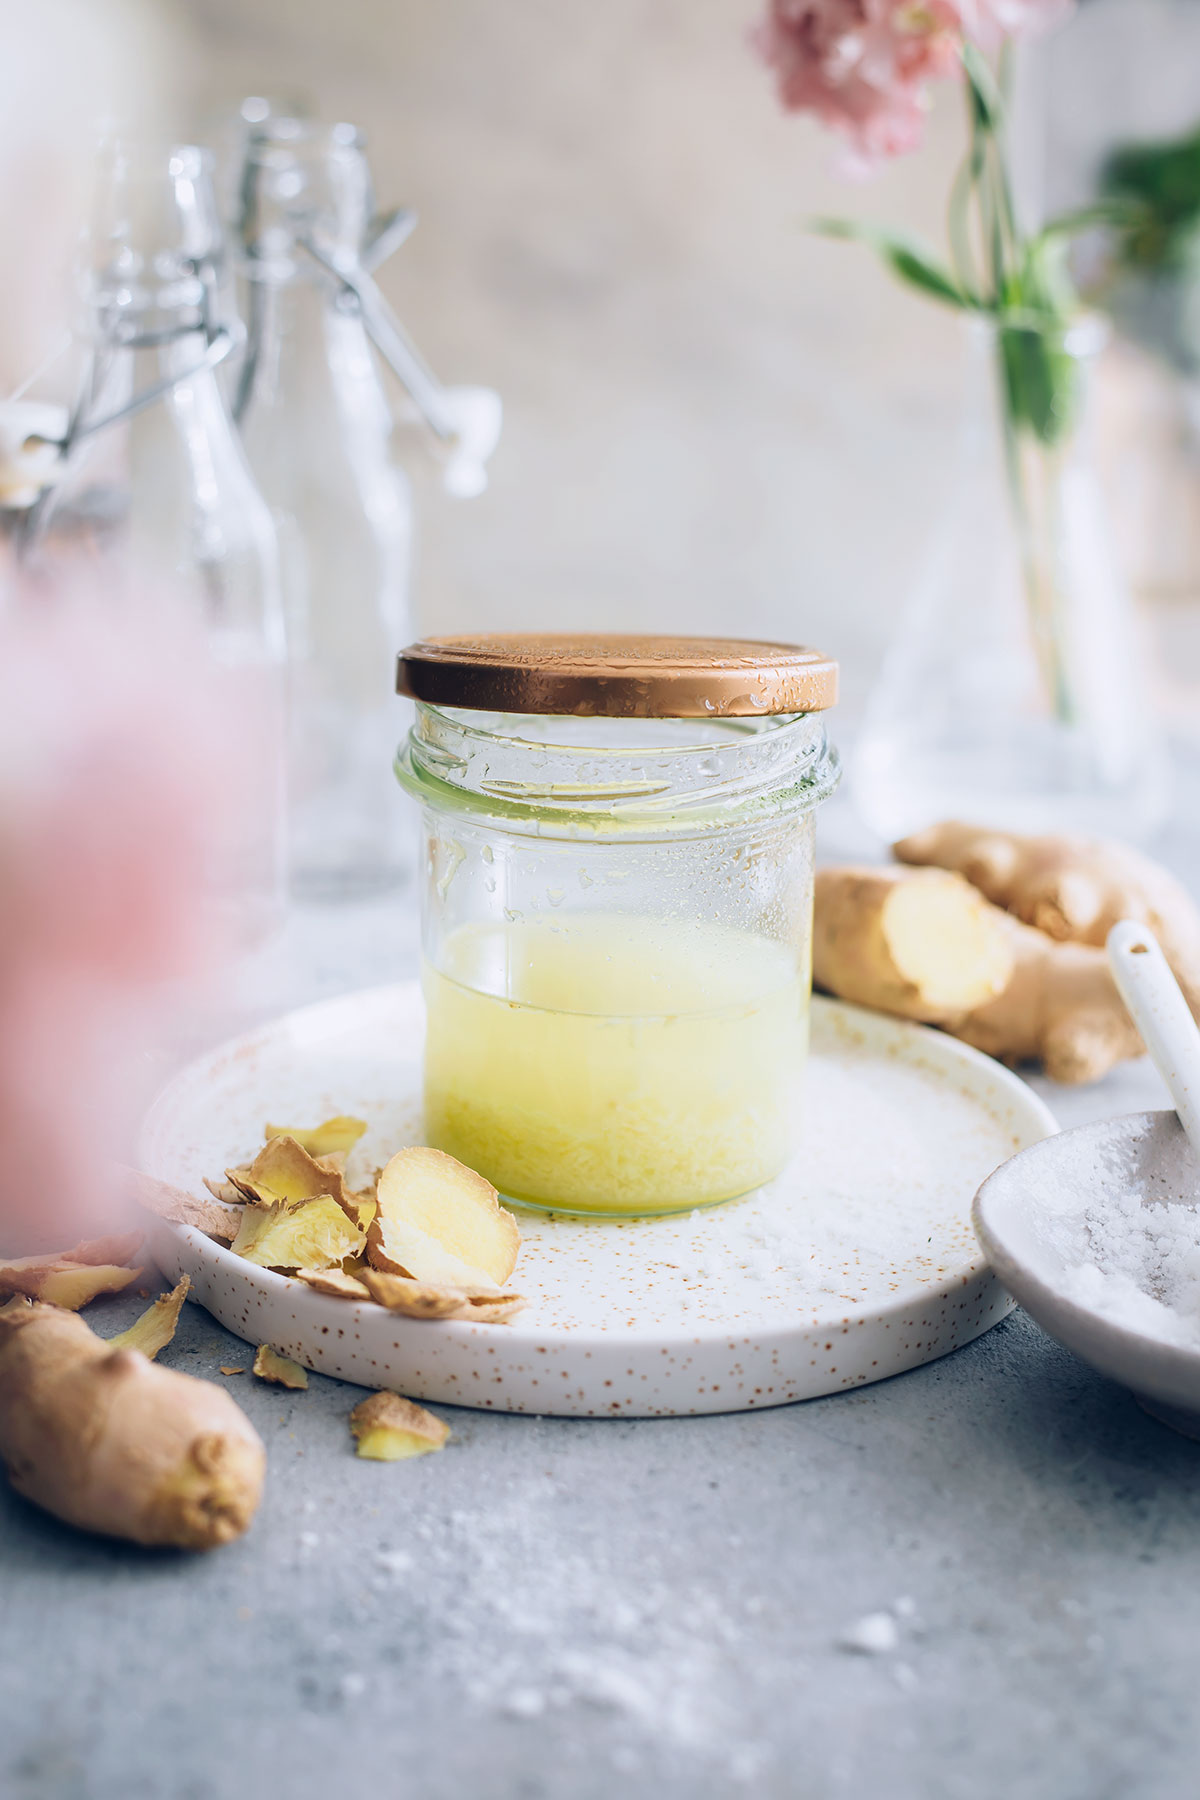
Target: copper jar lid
(592, 675)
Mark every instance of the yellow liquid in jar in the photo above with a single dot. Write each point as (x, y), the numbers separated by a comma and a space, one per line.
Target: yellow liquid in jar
(612, 1064)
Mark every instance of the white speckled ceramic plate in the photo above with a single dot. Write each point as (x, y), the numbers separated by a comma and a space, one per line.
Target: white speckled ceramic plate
(859, 1262)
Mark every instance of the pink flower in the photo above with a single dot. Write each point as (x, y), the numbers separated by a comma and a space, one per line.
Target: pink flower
(864, 66)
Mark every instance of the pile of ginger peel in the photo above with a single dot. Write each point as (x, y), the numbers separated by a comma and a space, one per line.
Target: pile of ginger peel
(93, 1430)
(999, 939)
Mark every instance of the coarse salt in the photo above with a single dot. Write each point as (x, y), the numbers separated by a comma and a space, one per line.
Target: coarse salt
(1140, 1266)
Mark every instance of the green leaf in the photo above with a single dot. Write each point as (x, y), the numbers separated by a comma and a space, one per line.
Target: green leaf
(1043, 281)
(1117, 211)
(1041, 381)
(987, 101)
(907, 258)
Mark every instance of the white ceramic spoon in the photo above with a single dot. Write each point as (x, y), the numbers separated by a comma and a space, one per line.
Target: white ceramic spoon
(1162, 1015)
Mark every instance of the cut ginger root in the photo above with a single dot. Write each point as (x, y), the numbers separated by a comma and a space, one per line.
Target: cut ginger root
(273, 1365)
(441, 1223)
(1074, 889)
(389, 1429)
(154, 1330)
(72, 1278)
(111, 1442)
(923, 945)
(1058, 1003)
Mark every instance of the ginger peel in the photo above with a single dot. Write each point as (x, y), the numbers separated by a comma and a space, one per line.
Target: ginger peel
(218, 1218)
(301, 1234)
(273, 1365)
(155, 1328)
(335, 1138)
(335, 1282)
(428, 1233)
(283, 1171)
(388, 1428)
(440, 1222)
(72, 1278)
(428, 1300)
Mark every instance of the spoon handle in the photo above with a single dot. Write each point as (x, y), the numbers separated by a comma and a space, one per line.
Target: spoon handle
(1161, 1014)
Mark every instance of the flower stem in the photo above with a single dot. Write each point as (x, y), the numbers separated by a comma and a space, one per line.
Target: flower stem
(1033, 372)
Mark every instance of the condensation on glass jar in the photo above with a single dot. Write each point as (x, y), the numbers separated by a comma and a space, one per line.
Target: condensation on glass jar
(616, 910)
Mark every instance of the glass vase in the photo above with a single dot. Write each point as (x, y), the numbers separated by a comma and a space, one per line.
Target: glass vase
(1015, 692)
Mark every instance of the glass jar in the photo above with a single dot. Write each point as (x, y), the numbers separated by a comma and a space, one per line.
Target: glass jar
(616, 910)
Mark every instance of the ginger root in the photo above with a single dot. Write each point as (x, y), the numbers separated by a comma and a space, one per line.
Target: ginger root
(1058, 1002)
(111, 1442)
(921, 944)
(1061, 1008)
(1074, 889)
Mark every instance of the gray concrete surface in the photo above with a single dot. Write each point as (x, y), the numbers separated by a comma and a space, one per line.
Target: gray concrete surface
(642, 1608)
(563, 1610)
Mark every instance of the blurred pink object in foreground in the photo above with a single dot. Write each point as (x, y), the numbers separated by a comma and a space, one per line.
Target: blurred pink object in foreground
(115, 773)
(863, 66)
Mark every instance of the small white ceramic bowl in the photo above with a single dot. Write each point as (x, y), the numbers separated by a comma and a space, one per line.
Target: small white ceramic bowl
(1030, 1217)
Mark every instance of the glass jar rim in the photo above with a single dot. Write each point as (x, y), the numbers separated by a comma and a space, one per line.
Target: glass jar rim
(670, 778)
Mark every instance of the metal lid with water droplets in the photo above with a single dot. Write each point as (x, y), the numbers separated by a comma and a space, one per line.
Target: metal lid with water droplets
(598, 676)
